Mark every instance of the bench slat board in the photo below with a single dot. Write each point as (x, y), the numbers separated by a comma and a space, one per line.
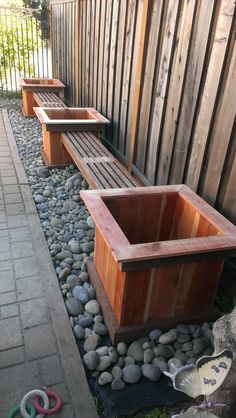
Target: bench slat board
(95, 162)
(45, 99)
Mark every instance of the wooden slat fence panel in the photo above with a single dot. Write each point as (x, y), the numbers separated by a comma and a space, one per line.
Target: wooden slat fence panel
(175, 118)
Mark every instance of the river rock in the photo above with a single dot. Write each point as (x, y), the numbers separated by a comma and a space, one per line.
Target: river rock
(174, 363)
(91, 360)
(100, 328)
(113, 354)
(74, 306)
(132, 373)
(136, 351)
(92, 342)
(93, 307)
(105, 378)
(151, 372)
(86, 322)
(155, 334)
(121, 348)
(80, 293)
(104, 363)
(199, 344)
(102, 351)
(63, 254)
(148, 355)
(42, 171)
(116, 372)
(90, 222)
(117, 384)
(79, 332)
(169, 337)
(162, 365)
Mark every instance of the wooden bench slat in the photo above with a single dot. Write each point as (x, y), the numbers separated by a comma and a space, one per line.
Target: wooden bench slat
(121, 174)
(95, 162)
(93, 177)
(99, 168)
(45, 99)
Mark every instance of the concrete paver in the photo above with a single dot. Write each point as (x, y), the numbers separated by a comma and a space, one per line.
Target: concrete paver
(37, 346)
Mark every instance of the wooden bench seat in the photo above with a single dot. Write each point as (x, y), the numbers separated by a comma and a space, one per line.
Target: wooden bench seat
(96, 163)
(45, 99)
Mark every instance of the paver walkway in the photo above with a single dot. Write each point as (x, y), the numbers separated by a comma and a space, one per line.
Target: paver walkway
(37, 347)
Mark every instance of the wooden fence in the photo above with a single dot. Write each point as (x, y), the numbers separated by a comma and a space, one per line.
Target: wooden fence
(164, 73)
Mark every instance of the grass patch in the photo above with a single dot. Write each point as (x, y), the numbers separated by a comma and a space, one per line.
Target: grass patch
(10, 94)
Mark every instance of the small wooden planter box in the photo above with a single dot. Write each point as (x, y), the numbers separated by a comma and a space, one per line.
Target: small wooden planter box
(159, 253)
(57, 120)
(31, 85)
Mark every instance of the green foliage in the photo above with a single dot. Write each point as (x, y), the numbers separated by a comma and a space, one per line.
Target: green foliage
(18, 31)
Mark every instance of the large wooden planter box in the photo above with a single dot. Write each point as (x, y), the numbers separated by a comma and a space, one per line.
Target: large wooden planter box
(57, 120)
(159, 253)
(31, 85)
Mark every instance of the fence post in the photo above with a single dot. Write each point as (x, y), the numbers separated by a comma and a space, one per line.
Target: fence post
(142, 20)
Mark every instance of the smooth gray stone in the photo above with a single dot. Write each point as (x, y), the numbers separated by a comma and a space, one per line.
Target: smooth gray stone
(104, 363)
(116, 372)
(121, 348)
(173, 363)
(155, 334)
(74, 306)
(117, 384)
(129, 360)
(182, 329)
(105, 378)
(183, 338)
(86, 322)
(100, 328)
(92, 342)
(162, 365)
(136, 351)
(81, 294)
(169, 337)
(132, 373)
(93, 307)
(90, 222)
(151, 372)
(102, 351)
(63, 254)
(113, 354)
(79, 332)
(91, 360)
(199, 345)
(148, 355)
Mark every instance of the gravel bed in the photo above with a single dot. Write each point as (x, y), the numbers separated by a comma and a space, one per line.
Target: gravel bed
(69, 231)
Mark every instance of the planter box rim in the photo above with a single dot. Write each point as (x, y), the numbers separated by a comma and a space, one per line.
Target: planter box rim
(131, 254)
(22, 83)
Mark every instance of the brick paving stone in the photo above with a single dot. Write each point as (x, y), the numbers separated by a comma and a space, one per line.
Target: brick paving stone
(6, 255)
(22, 249)
(62, 390)
(9, 311)
(29, 288)
(9, 172)
(50, 370)
(15, 382)
(66, 412)
(10, 332)
(15, 208)
(4, 244)
(7, 281)
(26, 267)
(39, 342)
(8, 297)
(3, 232)
(34, 312)
(15, 221)
(11, 357)
(11, 188)
(5, 265)
(9, 180)
(20, 234)
(3, 225)
(2, 217)
(13, 198)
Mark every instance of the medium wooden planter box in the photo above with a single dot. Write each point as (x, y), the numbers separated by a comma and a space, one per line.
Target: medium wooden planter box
(57, 120)
(32, 85)
(159, 253)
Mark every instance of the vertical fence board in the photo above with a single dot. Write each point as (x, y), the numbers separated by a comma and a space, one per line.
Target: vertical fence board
(191, 89)
(148, 84)
(160, 87)
(210, 92)
(101, 53)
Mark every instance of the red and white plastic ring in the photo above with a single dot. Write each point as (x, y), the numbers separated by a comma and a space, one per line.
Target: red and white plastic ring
(50, 411)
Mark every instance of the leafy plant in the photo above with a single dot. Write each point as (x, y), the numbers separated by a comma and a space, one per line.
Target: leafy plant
(18, 40)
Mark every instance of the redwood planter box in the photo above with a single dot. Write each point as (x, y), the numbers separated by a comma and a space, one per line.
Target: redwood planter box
(31, 85)
(159, 254)
(57, 120)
